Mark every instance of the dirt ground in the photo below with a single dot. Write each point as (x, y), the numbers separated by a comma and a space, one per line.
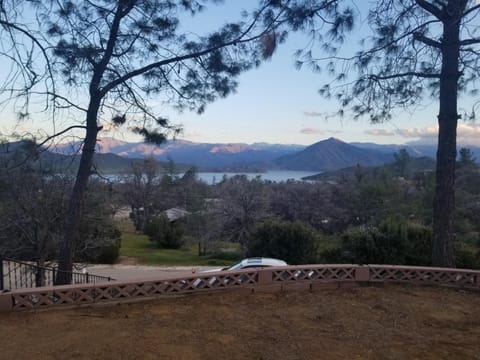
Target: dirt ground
(392, 322)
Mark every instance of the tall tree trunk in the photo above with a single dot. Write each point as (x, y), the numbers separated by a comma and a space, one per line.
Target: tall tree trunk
(40, 272)
(65, 259)
(444, 201)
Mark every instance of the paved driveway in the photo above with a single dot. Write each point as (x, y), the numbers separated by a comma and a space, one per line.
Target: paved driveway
(130, 272)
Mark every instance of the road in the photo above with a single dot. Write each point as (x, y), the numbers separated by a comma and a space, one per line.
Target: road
(131, 272)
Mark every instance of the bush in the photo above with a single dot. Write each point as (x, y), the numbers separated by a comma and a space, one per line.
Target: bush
(418, 245)
(368, 245)
(100, 244)
(393, 242)
(467, 255)
(165, 234)
(108, 254)
(225, 256)
(296, 243)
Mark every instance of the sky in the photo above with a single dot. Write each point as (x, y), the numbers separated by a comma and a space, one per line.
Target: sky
(276, 103)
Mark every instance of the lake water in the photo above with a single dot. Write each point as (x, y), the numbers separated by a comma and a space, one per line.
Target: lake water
(272, 175)
(216, 177)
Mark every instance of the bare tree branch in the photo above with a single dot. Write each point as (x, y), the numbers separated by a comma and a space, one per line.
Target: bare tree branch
(470, 41)
(426, 40)
(400, 75)
(61, 133)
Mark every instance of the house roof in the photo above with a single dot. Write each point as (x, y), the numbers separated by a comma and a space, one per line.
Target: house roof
(174, 214)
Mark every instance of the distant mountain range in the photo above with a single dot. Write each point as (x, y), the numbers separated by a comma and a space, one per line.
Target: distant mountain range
(213, 157)
(48, 160)
(114, 156)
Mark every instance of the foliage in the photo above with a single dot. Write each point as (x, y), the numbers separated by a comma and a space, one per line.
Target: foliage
(402, 159)
(400, 62)
(139, 189)
(204, 228)
(294, 242)
(417, 49)
(393, 242)
(31, 215)
(100, 244)
(361, 205)
(33, 200)
(318, 204)
(123, 54)
(418, 244)
(166, 234)
(467, 255)
(138, 246)
(150, 189)
(467, 212)
(375, 195)
(243, 205)
(466, 160)
(225, 256)
(367, 198)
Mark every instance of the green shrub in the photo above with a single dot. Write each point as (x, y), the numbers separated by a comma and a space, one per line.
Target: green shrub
(108, 254)
(100, 244)
(393, 242)
(296, 243)
(418, 245)
(467, 255)
(225, 255)
(166, 234)
(368, 245)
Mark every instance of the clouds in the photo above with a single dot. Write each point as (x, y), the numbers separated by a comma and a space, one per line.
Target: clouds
(426, 132)
(467, 134)
(379, 132)
(316, 131)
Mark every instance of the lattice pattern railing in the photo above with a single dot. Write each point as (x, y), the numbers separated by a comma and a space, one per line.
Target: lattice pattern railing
(423, 275)
(86, 294)
(323, 273)
(272, 279)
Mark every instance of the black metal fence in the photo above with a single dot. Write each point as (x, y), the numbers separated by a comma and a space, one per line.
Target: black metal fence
(18, 274)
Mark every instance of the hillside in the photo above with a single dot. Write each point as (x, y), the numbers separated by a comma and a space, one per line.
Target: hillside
(415, 149)
(332, 154)
(43, 158)
(414, 166)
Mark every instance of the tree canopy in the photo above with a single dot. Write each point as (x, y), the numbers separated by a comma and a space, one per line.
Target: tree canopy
(416, 49)
(114, 57)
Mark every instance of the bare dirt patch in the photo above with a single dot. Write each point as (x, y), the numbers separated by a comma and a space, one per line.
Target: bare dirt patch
(394, 322)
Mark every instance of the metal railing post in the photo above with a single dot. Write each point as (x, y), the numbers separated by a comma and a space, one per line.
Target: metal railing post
(18, 274)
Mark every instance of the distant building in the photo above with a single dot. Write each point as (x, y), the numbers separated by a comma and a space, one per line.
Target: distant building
(173, 214)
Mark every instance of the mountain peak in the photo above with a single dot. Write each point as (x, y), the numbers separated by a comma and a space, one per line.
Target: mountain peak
(331, 154)
(333, 139)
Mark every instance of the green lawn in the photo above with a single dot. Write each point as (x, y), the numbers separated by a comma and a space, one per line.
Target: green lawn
(139, 247)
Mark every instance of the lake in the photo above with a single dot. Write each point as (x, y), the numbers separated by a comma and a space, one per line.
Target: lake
(215, 177)
(272, 175)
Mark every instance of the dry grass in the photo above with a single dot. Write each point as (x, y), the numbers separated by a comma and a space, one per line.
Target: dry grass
(394, 322)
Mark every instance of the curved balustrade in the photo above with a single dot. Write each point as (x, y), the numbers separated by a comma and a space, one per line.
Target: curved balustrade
(303, 277)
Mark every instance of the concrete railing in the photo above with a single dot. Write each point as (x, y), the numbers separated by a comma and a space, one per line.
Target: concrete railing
(303, 277)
